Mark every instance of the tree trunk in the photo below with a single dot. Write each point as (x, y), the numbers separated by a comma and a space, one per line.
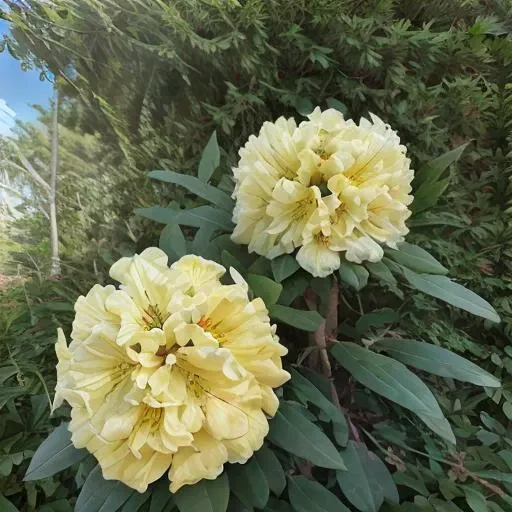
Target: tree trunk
(54, 233)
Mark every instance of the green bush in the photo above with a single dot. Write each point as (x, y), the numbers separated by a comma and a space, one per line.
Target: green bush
(158, 77)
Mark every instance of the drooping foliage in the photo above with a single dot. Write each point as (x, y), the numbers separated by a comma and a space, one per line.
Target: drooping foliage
(155, 78)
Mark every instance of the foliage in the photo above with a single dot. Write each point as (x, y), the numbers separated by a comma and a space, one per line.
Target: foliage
(159, 77)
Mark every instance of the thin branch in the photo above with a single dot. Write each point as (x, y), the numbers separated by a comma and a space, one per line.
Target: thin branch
(15, 192)
(28, 167)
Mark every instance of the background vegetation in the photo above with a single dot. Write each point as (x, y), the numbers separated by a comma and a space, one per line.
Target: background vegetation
(144, 84)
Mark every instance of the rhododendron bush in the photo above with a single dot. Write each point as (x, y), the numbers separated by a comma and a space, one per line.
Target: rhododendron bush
(217, 375)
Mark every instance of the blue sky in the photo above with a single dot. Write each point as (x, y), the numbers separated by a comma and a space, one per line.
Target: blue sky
(19, 89)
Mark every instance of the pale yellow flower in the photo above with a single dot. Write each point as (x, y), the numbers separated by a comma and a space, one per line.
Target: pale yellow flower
(329, 187)
(172, 372)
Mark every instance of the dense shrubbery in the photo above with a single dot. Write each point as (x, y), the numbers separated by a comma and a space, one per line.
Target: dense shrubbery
(156, 79)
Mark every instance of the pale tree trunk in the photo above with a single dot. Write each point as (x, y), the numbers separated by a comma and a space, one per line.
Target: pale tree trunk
(54, 233)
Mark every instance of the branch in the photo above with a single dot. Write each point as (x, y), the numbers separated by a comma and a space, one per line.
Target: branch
(15, 192)
(28, 167)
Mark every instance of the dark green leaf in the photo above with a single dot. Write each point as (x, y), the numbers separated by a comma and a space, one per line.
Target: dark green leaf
(210, 159)
(135, 502)
(353, 275)
(54, 454)
(160, 495)
(394, 381)
(205, 216)
(293, 287)
(235, 505)
(380, 270)
(284, 266)
(314, 396)
(202, 244)
(117, 496)
(99, 494)
(453, 293)
(367, 481)
(304, 320)
(310, 496)
(475, 500)
(158, 214)
(428, 194)
(438, 361)
(304, 106)
(377, 318)
(195, 186)
(172, 241)
(338, 105)
(205, 496)
(416, 258)
(265, 288)
(274, 505)
(433, 170)
(271, 467)
(249, 483)
(492, 474)
(293, 432)
(6, 505)
(228, 260)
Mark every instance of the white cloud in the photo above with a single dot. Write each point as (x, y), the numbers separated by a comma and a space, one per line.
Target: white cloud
(6, 118)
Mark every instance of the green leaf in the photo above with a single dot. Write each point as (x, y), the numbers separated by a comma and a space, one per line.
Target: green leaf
(438, 361)
(195, 186)
(416, 258)
(235, 505)
(377, 318)
(392, 380)
(293, 287)
(338, 105)
(284, 266)
(210, 159)
(157, 214)
(493, 474)
(380, 270)
(310, 496)
(135, 502)
(428, 194)
(265, 288)
(99, 494)
(314, 396)
(205, 496)
(6, 505)
(293, 432)
(249, 483)
(304, 106)
(353, 275)
(117, 496)
(203, 216)
(367, 482)
(172, 241)
(433, 170)
(54, 454)
(271, 467)
(202, 244)
(228, 260)
(160, 495)
(475, 499)
(303, 320)
(274, 505)
(453, 293)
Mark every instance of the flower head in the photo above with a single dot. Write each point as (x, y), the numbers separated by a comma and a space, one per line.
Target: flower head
(326, 187)
(173, 371)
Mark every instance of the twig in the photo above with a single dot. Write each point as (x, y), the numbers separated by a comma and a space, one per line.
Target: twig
(458, 467)
(318, 338)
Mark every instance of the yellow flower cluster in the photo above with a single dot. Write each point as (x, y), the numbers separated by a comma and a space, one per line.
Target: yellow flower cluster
(172, 372)
(326, 186)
